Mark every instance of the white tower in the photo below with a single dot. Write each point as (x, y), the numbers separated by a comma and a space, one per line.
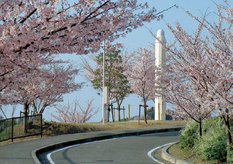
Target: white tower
(160, 104)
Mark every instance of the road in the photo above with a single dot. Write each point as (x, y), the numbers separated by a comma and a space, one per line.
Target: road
(127, 150)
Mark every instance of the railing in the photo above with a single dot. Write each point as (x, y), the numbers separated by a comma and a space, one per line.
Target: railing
(19, 127)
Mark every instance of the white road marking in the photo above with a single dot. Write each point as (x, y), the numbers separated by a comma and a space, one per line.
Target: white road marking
(149, 153)
(68, 147)
(159, 147)
(49, 154)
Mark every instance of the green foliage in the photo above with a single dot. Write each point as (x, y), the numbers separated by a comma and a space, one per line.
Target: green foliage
(115, 79)
(189, 135)
(111, 69)
(150, 114)
(211, 123)
(5, 134)
(5, 129)
(230, 156)
(212, 145)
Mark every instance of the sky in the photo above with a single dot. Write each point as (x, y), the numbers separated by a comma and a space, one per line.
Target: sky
(140, 37)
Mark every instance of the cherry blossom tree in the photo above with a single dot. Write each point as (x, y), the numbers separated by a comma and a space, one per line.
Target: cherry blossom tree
(174, 116)
(141, 75)
(198, 78)
(13, 75)
(75, 113)
(60, 81)
(48, 87)
(183, 83)
(220, 77)
(31, 28)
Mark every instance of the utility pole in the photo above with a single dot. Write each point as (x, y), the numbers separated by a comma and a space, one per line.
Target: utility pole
(128, 112)
(103, 93)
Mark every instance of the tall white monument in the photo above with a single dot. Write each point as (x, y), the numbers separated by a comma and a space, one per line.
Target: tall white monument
(160, 59)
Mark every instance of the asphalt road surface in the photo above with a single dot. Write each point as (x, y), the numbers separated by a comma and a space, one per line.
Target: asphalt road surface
(127, 150)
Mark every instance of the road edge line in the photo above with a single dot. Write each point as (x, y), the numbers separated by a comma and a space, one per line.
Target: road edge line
(159, 147)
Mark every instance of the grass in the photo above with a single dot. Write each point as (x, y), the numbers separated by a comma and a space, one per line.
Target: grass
(5, 133)
(188, 155)
(18, 131)
(55, 128)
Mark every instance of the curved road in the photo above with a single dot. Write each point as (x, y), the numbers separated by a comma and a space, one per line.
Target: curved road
(127, 150)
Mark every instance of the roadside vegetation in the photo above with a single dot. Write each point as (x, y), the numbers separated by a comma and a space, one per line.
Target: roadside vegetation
(210, 148)
(197, 80)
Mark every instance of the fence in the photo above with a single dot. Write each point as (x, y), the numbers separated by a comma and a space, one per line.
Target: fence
(19, 127)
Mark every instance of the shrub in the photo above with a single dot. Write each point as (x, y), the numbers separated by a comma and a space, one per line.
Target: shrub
(211, 123)
(230, 156)
(189, 135)
(212, 145)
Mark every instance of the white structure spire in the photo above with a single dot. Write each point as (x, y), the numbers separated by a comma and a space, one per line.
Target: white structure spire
(160, 59)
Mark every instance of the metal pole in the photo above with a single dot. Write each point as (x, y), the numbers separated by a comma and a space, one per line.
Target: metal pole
(139, 114)
(103, 105)
(123, 112)
(128, 112)
(41, 126)
(12, 129)
(159, 118)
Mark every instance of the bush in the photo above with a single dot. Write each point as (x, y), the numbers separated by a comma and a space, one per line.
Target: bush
(212, 145)
(230, 156)
(150, 114)
(211, 123)
(189, 135)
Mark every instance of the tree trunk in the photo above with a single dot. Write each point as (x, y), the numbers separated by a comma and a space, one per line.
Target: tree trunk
(119, 112)
(226, 119)
(144, 100)
(35, 111)
(200, 128)
(42, 109)
(26, 109)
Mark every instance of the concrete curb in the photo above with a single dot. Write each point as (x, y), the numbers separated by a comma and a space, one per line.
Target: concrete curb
(168, 157)
(35, 153)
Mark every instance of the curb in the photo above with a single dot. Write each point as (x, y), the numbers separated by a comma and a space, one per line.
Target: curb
(35, 153)
(168, 157)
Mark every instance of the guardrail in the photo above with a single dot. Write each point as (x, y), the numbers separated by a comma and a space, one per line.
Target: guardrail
(19, 127)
